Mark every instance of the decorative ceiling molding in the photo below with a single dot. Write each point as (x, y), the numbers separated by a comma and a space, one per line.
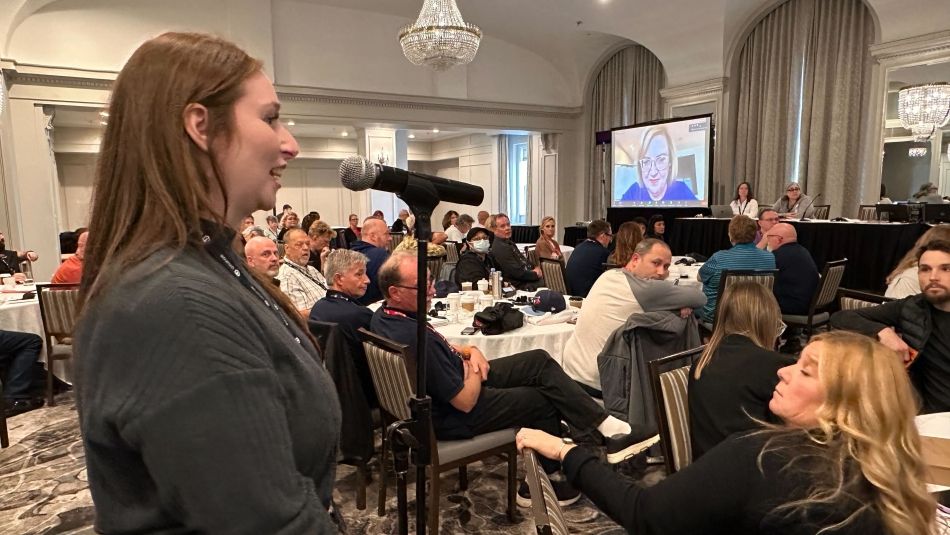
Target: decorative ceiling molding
(714, 86)
(918, 49)
(26, 74)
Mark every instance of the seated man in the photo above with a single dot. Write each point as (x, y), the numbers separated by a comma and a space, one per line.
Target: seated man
(768, 217)
(742, 255)
(471, 396)
(797, 275)
(373, 243)
(639, 286)
(588, 259)
(459, 230)
(346, 272)
(515, 268)
(399, 225)
(70, 271)
(475, 263)
(303, 284)
(18, 353)
(916, 326)
(10, 260)
(261, 256)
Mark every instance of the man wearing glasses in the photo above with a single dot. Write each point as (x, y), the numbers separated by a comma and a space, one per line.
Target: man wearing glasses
(588, 259)
(768, 217)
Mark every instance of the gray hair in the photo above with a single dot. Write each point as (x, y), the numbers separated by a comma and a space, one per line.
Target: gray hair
(645, 246)
(389, 275)
(341, 261)
(465, 220)
(271, 219)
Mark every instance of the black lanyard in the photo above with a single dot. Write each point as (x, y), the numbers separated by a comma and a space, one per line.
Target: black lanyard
(305, 273)
(245, 281)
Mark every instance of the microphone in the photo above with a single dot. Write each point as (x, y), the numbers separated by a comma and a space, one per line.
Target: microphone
(358, 173)
(805, 211)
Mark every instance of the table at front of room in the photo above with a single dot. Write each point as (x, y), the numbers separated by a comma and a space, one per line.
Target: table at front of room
(872, 248)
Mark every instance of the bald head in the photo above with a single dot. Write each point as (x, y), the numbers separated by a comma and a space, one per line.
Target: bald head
(375, 232)
(781, 234)
(261, 254)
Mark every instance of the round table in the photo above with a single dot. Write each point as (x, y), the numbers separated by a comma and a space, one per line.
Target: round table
(686, 275)
(24, 316)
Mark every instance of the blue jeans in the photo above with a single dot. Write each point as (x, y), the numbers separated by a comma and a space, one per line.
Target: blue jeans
(18, 352)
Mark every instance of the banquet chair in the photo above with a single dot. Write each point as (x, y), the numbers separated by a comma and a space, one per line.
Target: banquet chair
(531, 253)
(670, 379)
(728, 277)
(395, 238)
(854, 299)
(548, 516)
(451, 252)
(553, 272)
(59, 312)
(867, 212)
(821, 211)
(26, 267)
(824, 297)
(435, 264)
(393, 369)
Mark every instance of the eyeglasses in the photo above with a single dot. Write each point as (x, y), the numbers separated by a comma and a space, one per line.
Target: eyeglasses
(429, 285)
(794, 189)
(661, 163)
(781, 328)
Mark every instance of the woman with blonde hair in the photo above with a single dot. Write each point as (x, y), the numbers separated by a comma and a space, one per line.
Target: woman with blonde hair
(847, 459)
(625, 242)
(288, 221)
(731, 384)
(204, 404)
(902, 281)
(547, 246)
(656, 170)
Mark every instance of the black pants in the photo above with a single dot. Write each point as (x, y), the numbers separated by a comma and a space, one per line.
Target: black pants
(530, 390)
(18, 352)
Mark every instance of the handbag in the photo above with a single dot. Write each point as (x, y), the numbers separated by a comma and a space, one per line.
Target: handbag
(498, 318)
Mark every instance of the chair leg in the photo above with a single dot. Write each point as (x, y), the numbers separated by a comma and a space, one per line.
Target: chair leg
(4, 437)
(512, 483)
(50, 402)
(463, 477)
(361, 470)
(381, 497)
(434, 501)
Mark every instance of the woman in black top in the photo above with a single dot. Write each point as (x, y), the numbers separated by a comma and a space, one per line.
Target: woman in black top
(475, 263)
(847, 459)
(656, 228)
(203, 402)
(731, 385)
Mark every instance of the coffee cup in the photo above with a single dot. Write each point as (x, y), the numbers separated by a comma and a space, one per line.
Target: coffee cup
(466, 286)
(468, 303)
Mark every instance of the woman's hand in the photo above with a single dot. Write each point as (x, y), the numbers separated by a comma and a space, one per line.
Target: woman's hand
(547, 445)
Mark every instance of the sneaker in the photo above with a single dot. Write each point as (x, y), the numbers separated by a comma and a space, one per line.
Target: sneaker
(622, 447)
(19, 406)
(565, 492)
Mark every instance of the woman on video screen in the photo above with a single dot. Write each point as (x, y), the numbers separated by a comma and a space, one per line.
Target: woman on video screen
(656, 162)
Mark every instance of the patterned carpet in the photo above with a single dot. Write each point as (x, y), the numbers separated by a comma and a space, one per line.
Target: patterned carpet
(43, 488)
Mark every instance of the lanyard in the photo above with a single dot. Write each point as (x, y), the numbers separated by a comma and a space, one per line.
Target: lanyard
(305, 273)
(222, 258)
(400, 314)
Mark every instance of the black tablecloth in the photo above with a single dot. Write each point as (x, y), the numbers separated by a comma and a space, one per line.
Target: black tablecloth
(872, 249)
(525, 233)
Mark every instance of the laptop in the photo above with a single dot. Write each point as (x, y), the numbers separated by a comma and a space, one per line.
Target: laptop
(722, 211)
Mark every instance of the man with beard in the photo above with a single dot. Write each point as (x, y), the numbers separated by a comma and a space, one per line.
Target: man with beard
(262, 258)
(10, 259)
(303, 284)
(917, 327)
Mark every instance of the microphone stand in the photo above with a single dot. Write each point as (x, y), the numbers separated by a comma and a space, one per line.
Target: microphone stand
(805, 211)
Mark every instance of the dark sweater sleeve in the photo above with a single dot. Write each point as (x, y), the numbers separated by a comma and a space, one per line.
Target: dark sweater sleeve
(510, 265)
(869, 320)
(715, 490)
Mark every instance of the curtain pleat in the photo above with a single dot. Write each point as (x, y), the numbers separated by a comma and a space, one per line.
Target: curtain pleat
(503, 172)
(626, 91)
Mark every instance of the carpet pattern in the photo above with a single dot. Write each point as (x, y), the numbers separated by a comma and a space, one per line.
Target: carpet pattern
(44, 489)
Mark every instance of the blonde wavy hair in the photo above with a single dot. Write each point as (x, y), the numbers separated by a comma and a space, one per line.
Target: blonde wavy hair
(938, 232)
(865, 430)
(749, 309)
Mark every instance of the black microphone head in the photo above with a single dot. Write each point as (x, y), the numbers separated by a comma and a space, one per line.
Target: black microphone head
(357, 173)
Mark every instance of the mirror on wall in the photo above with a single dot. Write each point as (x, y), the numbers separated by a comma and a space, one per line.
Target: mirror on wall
(907, 163)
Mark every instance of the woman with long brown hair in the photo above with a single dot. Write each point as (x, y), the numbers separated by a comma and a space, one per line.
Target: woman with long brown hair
(847, 459)
(203, 403)
(731, 384)
(625, 243)
(902, 281)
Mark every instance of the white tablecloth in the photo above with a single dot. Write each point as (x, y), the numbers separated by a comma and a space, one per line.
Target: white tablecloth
(934, 425)
(24, 316)
(685, 274)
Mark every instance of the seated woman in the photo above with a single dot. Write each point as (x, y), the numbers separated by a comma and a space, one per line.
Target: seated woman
(656, 228)
(903, 282)
(656, 170)
(744, 203)
(547, 246)
(731, 385)
(791, 205)
(475, 263)
(625, 241)
(847, 458)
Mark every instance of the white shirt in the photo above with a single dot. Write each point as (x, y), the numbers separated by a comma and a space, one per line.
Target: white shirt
(749, 208)
(904, 284)
(304, 285)
(454, 234)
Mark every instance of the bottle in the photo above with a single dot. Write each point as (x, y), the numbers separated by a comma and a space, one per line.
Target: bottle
(496, 285)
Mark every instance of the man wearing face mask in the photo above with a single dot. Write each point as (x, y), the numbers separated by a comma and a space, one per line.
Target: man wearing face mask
(475, 263)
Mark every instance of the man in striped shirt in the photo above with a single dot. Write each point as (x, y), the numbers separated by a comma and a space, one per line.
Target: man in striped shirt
(743, 255)
(303, 284)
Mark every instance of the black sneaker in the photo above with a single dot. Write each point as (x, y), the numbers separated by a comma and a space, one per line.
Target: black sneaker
(19, 406)
(622, 447)
(565, 492)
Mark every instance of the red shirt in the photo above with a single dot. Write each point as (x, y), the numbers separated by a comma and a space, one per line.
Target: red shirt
(69, 271)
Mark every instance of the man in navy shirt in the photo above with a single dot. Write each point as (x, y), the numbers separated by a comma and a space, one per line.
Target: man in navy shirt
(471, 396)
(587, 260)
(797, 274)
(373, 244)
(346, 273)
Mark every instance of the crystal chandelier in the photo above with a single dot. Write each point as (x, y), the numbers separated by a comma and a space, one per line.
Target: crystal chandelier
(440, 38)
(924, 108)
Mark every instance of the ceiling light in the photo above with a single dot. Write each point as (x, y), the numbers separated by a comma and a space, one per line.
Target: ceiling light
(435, 130)
(344, 133)
(439, 37)
(103, 113)
(924, 109)
(412, 136)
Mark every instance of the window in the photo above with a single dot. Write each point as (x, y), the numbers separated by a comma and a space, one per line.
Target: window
(518, 179)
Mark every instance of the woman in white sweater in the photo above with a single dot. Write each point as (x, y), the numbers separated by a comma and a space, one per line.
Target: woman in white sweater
(744, 203)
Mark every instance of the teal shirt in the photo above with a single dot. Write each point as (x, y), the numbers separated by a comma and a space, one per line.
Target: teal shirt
(740, 256)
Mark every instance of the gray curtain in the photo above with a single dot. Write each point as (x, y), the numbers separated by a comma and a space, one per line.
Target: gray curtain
(502, 173)
(835, 91)
(626, 91)
(802, 82)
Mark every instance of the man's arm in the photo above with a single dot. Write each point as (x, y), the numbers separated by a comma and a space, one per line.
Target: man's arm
(510, 265)
(466, 399)
(656, 295)
(869, 320)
